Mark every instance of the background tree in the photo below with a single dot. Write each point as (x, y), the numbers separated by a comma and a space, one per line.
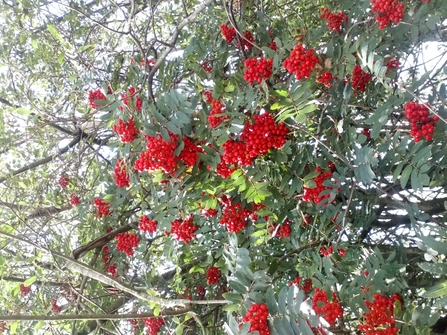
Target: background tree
(223, 167)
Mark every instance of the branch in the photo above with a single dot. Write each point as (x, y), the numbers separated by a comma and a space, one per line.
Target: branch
(92, 316)
(174, 37)
(44, 160)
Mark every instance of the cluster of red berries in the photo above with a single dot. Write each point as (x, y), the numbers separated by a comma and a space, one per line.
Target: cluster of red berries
(150, 62)
(94, 96)
(273, 45)
(25, 290)
(201, 291)
(126, 130)
(256, 139)
(282, 231)
(206, 66)
(153, 325)
(217, 107)
(257, 317)
(334, 21)
(56, 308)
(228, 32)
(367, 133)
(306, 286)
(235, 217)
(160, 154)
(387, 11)
(74, 200)
(421, 122)
(247, 41)
(330, 250)
(301, 62)
(102, 206)
(258, 69)
(64, 181)
(223, 169)
(209, 213)
(213, 275)
(263, 134)
(360, 79)
(330, 311)
(127, 99)
(122, 178)
(184, 229)
(111, 268)
(313, 194)
(147, 225)
(325, 79)
(380, 318)
(127, 242)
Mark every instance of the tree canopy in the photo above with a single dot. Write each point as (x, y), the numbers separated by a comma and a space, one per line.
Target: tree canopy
(223, 167)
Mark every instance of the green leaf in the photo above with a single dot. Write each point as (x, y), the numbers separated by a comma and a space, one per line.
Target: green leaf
(231, 307)
(52, 29)
(30, 281)
(233, 297)
(434, 268)
(439, 290)
(405, 176)
(23, 111)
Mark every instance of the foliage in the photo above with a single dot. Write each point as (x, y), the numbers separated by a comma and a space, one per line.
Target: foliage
(181, 165)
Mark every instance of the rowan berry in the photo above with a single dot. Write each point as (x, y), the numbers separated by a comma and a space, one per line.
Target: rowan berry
(213, 275)
(380, 317)
(326, 79)
(228, 33)
(334, 21)
(122, 178)
(301, 62)
(153, 325)
(422, 125)
(126, 130)
(387, 11)
(94, 96)
(306, 286)
(102, 206)
(257, 317)
(258, 69)
(64, 181)
(127, 99)
(313, 194)
(360, 79)
(184, 229)
(25, 290)
(127, 242)
(330, 311)
(74, 200)
(147, 225)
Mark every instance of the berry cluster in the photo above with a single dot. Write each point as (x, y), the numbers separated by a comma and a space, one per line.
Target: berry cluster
(334, 21)
(127, 131)
(273, 45)
(282, 231)
(247, 41)
(235, 217)
(258, 69)
(56, 308)
(367, 133)
(206, 66)
(94, 96)
(228, 33)
(209, 213)
(64, 181)
(326, 252)
(325, 79)
(330, 311)
(224, 170)
(387, 11)
(257, 317)
(360, 79)
(313, 194)
(153, 325)
(201, 291)
(160, 154)
(421, 122)
(306, 286)
(213, 275)
(263, 134)
(184, 229)
(236, 153)
(217, 107)
(74, 200)
(380, 318)
(147, 225)
(127, 99)
(25, 290)
(102, 207)
(122, 178)
(127, 242)
(301, 62)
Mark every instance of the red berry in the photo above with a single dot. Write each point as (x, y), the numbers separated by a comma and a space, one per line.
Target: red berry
(213, 275)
